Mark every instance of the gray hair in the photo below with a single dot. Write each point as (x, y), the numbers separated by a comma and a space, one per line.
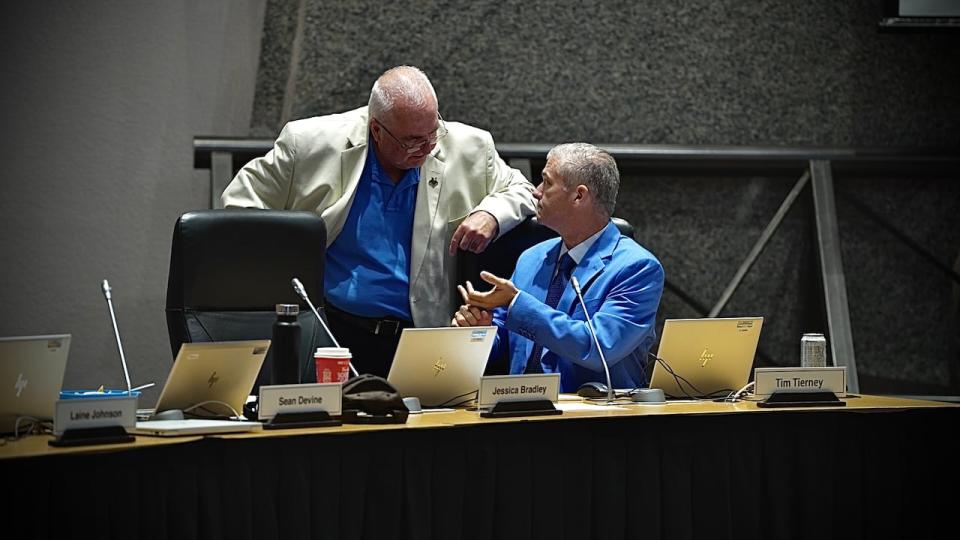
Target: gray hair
(583, 163)
(402, 84)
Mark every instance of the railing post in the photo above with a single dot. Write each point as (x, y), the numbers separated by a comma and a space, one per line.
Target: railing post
(221, 172)
(831, 268)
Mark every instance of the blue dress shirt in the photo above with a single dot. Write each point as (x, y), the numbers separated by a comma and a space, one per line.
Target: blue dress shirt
(368, 265)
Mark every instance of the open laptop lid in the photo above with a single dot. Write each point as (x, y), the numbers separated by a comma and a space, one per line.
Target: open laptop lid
(207, 377)
(31, 374)
(708, 357)
(441, 366)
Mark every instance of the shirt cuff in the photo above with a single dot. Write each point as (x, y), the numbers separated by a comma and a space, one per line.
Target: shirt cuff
(512, 302)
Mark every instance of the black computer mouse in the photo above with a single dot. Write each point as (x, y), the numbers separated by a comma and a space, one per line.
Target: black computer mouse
(592, 389)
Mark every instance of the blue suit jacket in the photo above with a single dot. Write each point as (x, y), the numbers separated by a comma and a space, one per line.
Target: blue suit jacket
(621, 283)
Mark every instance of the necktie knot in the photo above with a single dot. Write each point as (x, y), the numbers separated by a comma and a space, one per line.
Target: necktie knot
(565, 265)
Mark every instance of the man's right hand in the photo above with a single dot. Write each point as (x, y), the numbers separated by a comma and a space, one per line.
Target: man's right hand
(469, 315)
(472, 316)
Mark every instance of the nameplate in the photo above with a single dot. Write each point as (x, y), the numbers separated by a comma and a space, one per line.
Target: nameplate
(300, 398)
(94, 413)
(497, 388)
(800, 380)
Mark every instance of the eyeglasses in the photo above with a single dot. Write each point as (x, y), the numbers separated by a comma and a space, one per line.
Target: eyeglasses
(415, 145)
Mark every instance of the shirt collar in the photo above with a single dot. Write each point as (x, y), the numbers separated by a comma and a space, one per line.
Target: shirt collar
(578, 251)
(377, 174)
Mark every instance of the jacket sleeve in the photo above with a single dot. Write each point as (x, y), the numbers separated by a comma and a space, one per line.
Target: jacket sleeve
(501, 342)
(625, 317)
(265, 182)
(510, 195)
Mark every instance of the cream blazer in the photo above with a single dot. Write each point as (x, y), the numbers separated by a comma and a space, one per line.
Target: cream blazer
(316, 164)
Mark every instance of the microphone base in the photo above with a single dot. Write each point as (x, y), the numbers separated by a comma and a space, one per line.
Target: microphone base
(507, 409)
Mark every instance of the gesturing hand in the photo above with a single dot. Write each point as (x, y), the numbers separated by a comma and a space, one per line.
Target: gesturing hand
(502, 293)
(471, 316)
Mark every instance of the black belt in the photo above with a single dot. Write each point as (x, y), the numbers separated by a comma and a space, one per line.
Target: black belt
(388, 326)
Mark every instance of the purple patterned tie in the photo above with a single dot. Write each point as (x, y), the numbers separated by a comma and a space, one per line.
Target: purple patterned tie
(554, 293)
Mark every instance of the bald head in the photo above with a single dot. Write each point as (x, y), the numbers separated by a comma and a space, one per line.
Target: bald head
(403, 88)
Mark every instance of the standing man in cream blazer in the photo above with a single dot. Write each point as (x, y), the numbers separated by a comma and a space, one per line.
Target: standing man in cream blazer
(400, 191)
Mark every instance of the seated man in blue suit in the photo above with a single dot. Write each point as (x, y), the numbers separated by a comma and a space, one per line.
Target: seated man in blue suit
(540, 321)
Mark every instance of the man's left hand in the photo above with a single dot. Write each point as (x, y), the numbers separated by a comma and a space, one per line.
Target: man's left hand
(475, 232)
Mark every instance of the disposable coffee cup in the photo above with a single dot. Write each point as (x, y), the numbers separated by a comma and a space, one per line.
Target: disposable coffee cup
(332, 364)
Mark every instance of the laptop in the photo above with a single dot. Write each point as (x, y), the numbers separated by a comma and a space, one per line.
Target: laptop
(192, 426)
(708, 357)
(31, 374)
(213, 379)
(441, 366)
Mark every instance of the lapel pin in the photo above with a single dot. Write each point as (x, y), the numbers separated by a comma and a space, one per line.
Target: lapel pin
(433, 181)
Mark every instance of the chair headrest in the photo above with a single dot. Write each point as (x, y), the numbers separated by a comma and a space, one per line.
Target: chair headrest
(244, 259)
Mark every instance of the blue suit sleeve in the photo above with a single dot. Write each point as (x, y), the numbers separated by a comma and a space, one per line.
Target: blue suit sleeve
(501, 342)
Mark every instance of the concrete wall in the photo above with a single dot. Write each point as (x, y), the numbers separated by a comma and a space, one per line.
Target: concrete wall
(100, 103)
(780, 72)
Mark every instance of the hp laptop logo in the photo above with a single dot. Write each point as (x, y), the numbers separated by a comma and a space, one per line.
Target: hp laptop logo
(212, 380)
(20, 384)
(705, 357)
(439, 367)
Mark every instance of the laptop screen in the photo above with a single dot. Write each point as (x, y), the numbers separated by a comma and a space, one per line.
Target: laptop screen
(31, 374)
(441, 366)
(213, 379)
(704, 358)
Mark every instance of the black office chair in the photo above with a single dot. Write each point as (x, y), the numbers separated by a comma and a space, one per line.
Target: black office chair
(228, 270)
(500, 258)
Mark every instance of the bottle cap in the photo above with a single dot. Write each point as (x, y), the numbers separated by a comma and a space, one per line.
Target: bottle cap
(288, 309)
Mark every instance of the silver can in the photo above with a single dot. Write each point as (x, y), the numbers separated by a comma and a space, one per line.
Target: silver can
(813, 350)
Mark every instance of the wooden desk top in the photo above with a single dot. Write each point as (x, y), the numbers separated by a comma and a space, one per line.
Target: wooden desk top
(572, 406)
(37, 445)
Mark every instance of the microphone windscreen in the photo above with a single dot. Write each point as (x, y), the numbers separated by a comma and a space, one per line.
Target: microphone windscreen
(298, 287)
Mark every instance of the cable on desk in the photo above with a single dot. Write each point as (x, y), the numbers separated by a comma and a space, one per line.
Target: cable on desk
(456, 401)
(202, 407)
(32, 426)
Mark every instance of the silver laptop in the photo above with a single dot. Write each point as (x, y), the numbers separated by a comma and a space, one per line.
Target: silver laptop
(441, 366)
(706, 357)
(197, 426)
(31, 374)
(213, 379)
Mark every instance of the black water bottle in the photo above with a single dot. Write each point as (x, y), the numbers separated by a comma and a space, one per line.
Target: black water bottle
(286, 345)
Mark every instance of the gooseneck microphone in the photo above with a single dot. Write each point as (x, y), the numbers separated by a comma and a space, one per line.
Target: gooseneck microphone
(298, 288)
(611, 397)
(105, 287)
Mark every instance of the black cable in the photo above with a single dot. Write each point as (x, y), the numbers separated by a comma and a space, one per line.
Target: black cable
(680, 380)
(677, 378)
(454, 398)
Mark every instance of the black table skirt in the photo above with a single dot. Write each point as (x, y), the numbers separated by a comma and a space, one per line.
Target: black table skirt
(794, 474)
